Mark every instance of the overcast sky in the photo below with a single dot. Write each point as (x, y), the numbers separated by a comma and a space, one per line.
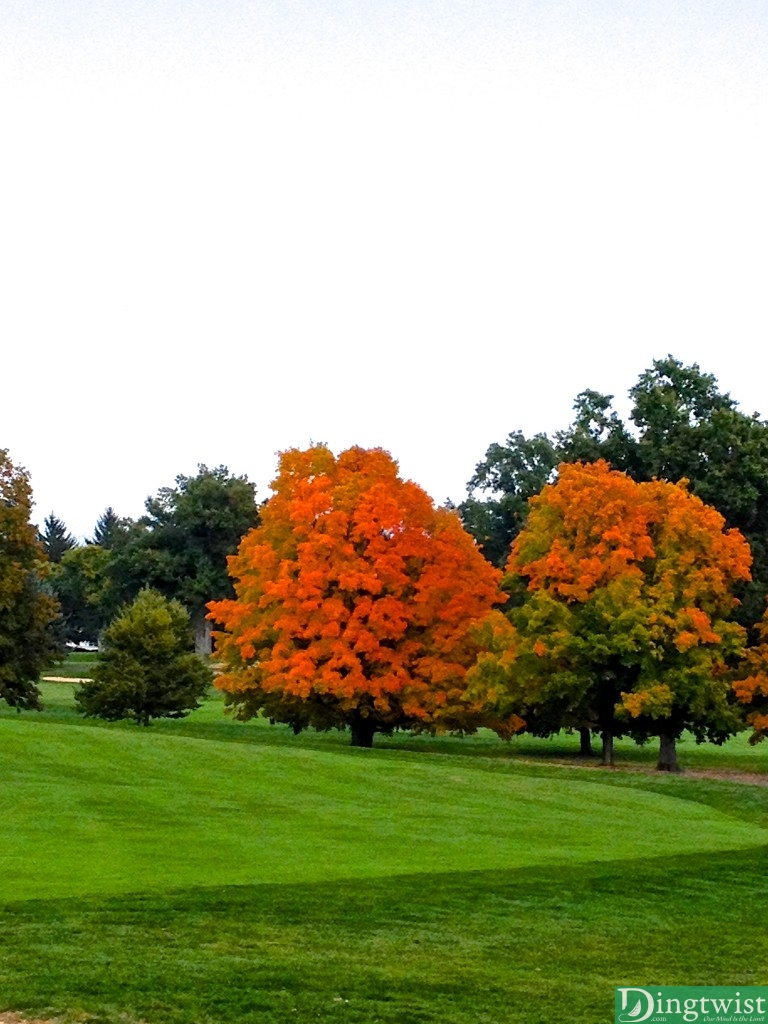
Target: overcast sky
(236, 227)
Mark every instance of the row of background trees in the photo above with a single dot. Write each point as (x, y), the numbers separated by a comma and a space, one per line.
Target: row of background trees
(682, 426)
(178, 548)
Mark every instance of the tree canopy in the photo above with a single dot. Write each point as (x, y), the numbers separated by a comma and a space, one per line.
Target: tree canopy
(27, 611)
(622, 617)
(682, 427)
(354, 600)
(180, 547)
(751, 683)
(83, 585)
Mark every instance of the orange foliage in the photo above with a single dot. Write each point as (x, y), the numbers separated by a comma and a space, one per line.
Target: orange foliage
(354, 597)
(596, 525)
(752, 689)
(626, 624)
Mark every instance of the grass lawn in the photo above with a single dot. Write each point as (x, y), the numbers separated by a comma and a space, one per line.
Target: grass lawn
(76, 665)
(207, 871)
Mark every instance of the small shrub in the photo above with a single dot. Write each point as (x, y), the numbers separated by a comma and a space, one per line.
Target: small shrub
(147, 668)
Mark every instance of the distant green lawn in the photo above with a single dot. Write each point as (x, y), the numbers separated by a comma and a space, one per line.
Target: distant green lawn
(209, 871)
(75, 665)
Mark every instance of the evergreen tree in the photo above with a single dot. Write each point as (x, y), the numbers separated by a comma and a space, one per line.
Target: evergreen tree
(110, 530)
(147, 667)
(56, 538)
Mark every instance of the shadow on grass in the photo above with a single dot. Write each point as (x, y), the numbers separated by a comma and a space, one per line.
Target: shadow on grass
(522, 946)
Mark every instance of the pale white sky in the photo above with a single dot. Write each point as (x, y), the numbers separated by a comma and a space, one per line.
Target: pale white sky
(232, 228)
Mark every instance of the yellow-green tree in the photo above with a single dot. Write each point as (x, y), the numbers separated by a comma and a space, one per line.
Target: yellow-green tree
(621, 617)
(751, 685)
(27, 612)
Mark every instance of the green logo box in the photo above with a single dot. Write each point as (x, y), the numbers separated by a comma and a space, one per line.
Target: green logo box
(704, 1004)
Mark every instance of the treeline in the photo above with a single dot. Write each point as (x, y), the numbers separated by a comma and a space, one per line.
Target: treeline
(178, 548)
(611, 578)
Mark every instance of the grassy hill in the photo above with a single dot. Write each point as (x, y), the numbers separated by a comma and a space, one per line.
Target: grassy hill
(210, 871)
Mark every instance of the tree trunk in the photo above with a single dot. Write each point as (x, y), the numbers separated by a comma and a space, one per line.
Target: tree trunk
(203, 643)
(585, 743)
(607, 748)
(363, 730)
(667, 754)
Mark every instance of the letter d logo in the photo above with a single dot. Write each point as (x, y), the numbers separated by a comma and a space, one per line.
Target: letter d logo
(643, 1003)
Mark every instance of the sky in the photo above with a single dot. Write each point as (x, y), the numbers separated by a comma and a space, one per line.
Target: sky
(230, 229)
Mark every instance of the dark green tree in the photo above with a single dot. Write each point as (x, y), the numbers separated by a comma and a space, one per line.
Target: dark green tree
(597, 433)
(509, 475)
(181, 546)
(110, 530)
(82, 582)
(147, 667)
(28, 613)
(56, 538)
(687, 428)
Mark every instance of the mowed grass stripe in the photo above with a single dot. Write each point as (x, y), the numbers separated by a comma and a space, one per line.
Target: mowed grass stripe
(98, 811)
(529, 946)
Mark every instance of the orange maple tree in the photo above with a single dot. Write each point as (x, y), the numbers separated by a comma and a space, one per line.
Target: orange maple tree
(621, 619)
(751, 686)
(354, 601)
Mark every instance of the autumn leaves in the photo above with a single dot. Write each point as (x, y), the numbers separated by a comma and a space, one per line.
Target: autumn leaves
(355, 602)
(359, 604)
(624, 624)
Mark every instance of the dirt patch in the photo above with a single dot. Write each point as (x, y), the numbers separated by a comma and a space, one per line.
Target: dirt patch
(750, 778)
(592, 764)
(15, 1018)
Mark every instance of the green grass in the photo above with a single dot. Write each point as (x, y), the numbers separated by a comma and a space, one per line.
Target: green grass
(208, 871)
(210, 722)
(76, 665)
(529, 946)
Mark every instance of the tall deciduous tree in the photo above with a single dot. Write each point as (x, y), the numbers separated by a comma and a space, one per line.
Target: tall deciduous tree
(27, 613)
(687, 428)
(82, 583)
(193, 528)
(509, 475)
(180, 547)
(683, 427)
(626, 622)
(354, 600)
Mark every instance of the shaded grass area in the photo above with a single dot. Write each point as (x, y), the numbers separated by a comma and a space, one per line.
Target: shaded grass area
(528, 946)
